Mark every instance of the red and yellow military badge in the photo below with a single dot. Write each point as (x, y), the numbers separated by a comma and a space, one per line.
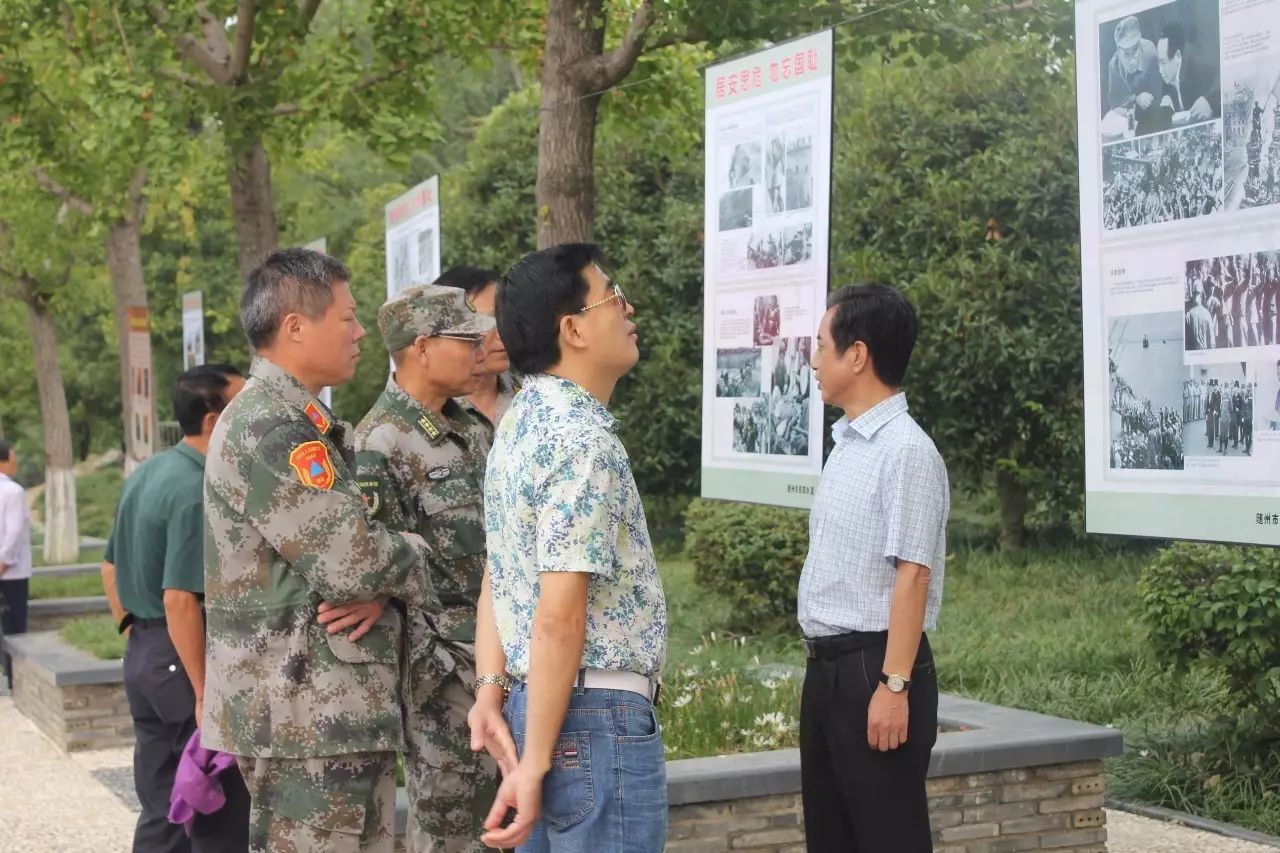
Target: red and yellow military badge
(312, 464)
(317, 417)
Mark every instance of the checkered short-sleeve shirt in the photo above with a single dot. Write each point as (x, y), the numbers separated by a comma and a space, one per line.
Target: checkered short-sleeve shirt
(883, 497)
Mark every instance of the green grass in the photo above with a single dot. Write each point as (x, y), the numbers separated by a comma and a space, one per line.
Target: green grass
(86, 555)
(1057, 632)
(76, 586)
(95, 635)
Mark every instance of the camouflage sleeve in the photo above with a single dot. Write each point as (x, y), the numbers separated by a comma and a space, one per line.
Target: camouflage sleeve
(325, 533)
(379, 490)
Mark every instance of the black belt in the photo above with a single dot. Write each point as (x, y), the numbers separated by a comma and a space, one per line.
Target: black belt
(130, 620)
(841, 644)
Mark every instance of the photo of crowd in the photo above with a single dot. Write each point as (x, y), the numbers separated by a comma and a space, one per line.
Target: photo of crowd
(797, 241)
(751, 432)
(766, 321)
(765, 250)
(1164, 178)
(1217, 411)
(789, 397)
(1232, 301)
(1146, 392)
(799, 171)
(738, 372)
(745, 165)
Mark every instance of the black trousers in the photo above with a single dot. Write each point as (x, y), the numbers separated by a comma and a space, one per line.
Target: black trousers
(13, 615)
(856, 799)
(162, 704)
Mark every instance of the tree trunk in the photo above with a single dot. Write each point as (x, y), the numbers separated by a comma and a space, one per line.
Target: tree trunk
(566, 189)
(61, 539)
(1013, 510)
(124, 261)
(252, 204)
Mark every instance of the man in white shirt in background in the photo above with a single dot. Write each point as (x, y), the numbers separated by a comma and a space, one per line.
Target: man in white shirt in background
(15, 551)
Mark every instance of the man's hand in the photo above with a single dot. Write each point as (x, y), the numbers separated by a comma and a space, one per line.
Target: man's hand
(1200, 110)
(521, 791)
(1145, 100)
(3, 568)
(362, 615)
(887, 720)
(489, 730)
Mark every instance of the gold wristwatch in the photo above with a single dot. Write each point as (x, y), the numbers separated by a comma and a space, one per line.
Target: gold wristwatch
(895, 683)
(494, 678)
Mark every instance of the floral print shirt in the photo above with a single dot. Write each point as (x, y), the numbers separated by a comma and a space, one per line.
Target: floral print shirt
(559, 496)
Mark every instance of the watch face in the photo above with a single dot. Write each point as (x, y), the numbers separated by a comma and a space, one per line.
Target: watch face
(896, 684)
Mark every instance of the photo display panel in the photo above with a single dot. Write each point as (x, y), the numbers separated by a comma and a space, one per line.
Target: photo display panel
(1179, 123)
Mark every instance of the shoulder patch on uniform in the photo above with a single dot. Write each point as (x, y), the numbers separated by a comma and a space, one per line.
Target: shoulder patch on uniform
(371, 491)
(438, 473)
(317, 417)
(431, 430)
(310, 461)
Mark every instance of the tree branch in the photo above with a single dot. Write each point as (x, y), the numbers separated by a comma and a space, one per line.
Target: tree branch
(306, 14)
(138, 201)
(244, 39)
(192, 49)
(287, 109)
(610, 68)
(181, 76)
(58, 190)
(371, 80)
(692, 35)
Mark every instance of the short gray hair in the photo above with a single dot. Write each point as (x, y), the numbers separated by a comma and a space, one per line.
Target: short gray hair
(289, 281)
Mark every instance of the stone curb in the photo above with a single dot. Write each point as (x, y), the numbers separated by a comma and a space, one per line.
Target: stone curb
(66, 571)
(1217, 827)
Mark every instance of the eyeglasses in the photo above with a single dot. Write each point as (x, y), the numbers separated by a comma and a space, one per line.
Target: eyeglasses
(616, 294)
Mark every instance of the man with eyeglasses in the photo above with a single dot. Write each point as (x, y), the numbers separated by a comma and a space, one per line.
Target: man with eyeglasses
(420, 460)
(573, 607)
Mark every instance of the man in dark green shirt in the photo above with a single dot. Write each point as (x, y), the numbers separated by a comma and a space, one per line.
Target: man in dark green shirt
(153, 576)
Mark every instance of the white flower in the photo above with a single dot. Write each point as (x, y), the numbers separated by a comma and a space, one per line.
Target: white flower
(692, 672)
(682, 700)
(715, 664)
(772, 720)
(769, 684)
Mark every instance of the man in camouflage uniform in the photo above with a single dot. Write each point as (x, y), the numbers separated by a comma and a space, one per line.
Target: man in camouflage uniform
(421, 458)
(312, 716)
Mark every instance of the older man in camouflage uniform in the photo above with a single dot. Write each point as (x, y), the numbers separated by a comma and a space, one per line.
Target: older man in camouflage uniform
(421, 459)
(312, 716)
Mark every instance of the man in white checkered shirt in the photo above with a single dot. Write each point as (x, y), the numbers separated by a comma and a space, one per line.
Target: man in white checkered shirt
(871, 586)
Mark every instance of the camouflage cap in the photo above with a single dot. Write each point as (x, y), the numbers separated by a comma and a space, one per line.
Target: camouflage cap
(429, 310)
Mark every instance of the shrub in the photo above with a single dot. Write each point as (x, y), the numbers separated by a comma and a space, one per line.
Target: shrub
(1220, 605)
(749, 554)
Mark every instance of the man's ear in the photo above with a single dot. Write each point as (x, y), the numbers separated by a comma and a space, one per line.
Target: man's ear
(291, 326)
(570, 335)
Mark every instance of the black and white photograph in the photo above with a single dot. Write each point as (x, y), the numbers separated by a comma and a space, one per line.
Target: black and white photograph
(751, 427)
(192, 346)
(745, 165)
(1232, 301)
(427, 255)
(735, 209)
(799, 192)
(401, 273)
(1163, 178)
(1217, 410)
(775, 173)
(1266, 411)
(766, 321)
(1250, 123)
(765, 249)
(1146, 391)
(798, 244)
(738, 372)
(1160, 69)
(789, 397)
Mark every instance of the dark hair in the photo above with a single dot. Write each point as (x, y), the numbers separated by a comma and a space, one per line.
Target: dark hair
(5, 449)
(881, 317)
(470, 280)
(201, 391)
(289, 281)
(536, 292)
(1177, 40)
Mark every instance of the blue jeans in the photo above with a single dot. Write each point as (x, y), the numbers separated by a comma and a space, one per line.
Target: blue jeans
(606, 791)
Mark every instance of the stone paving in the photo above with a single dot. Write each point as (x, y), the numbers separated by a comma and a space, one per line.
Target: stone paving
(84, 802)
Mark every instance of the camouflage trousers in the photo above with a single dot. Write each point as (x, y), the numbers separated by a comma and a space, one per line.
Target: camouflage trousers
(338, 804)
(450, 787)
